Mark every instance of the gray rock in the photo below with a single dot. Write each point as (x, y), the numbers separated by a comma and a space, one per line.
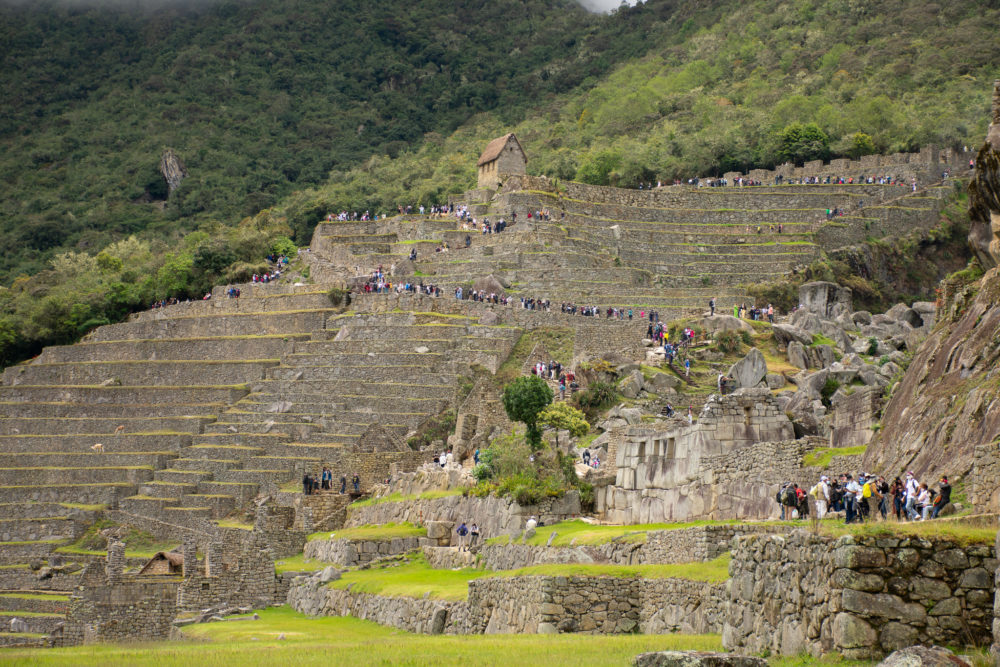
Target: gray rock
(862, 317)
(850, 631)
(695, 659)
(903, 313)
(750, 370)
(631, 415)
(786, 333)
(724, 323)
(662, 382)
(421, 349)
(822, 355)
(329, 573)
(923, 656)
(775, 380)
(797, 355)
(632, 385)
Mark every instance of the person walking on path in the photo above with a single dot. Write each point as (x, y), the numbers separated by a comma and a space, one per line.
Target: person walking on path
(711, 306)
(343, 484)
(473, 535)
(356, 481)
(463, 532)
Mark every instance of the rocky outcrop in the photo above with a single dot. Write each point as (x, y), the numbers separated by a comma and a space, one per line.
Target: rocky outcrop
(945, 407)
(173, 170)
(695, 659)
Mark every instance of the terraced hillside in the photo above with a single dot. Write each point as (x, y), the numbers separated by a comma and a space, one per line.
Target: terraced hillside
(670, 249)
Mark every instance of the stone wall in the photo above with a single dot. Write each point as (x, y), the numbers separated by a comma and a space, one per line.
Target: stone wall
(311, 596)
(605, 605)
(857, 596)
(243, 577)
(358, 552)
(984, 493)
(495, 516)
(677, 472)
(699, 543)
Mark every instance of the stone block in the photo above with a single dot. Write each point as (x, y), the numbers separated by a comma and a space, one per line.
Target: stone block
(859, 581)
(897, 635)
(853, 556)
(882, 604)
(850, 631)
(437, 530)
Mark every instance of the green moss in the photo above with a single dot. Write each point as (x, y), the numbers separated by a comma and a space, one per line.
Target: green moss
(824, 456)
(376, 533)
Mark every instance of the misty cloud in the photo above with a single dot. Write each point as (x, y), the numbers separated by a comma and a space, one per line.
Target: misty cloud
(603, 6)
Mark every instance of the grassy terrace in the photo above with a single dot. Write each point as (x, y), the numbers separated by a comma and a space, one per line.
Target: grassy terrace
(313, 641)
(380, 533)
(578, 532)
(398, 497)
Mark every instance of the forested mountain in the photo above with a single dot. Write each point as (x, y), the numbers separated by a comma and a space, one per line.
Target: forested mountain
(286, 109)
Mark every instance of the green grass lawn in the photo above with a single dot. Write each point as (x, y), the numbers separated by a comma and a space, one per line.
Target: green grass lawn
(413, 579)
(381, 532)
(823, 456)
(298, 563)
(398, 497)
(342, 641)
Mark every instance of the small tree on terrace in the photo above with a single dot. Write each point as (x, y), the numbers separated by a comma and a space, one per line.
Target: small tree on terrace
(564, 417)
(523, 399)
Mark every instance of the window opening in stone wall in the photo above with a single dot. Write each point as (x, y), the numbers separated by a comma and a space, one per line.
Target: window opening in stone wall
(671, 448)
(746, 415)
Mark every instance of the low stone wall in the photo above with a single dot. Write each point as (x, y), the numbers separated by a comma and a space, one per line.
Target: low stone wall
(358, 552)
(700, 543)
(310, 596)
(857, 596)
(495, 516)
(516, 556)
(600, 605)
(135, 610)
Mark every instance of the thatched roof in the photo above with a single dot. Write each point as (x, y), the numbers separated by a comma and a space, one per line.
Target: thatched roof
(172, 557)
(495, 147)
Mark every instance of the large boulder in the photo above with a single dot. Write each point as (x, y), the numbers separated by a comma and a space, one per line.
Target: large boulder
(820, 296)
(750, 370)
(786, 333)
(923, 656)
(695, 659)
(797, 355)
(662, 383)
(724, 323)
(632, 385)
(903, 313)
(490, 284)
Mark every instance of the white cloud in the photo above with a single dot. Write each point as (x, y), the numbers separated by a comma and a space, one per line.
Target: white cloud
(603, 5)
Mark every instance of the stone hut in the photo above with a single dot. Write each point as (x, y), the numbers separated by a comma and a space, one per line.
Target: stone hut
(164, 562)
(503, 156)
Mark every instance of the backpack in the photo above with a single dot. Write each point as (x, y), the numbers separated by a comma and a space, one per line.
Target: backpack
(814, 491)
(463, 531)
(788, 496)
(866, 490)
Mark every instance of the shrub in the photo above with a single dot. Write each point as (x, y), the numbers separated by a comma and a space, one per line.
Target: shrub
(597, 396)
(338, 296)
(746, 338)
(727, 341)
(523, 399)
(830, 387)
(872, 346)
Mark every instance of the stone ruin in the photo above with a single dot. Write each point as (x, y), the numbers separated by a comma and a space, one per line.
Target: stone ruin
(677, 472)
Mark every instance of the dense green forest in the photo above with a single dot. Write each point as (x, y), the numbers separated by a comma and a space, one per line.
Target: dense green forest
(283, 110)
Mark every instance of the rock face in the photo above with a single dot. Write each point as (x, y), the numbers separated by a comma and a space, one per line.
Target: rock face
(820, 297)
(984, 193)
(173, 169)
(750, 370)
(923, 656)
(695, 659)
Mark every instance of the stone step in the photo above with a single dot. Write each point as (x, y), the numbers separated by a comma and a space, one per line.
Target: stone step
(285, 463)
(146, 505)
(105, 425)
(23, 552)
(42, 510)
(48, 528)
(158, 489)
(255, 476)
(374, 359)
(90, 459)
(84, 494)
(240, 439)
(221, 304)
(241, 492)
(221, 347)
(64, 475)
(182, 476)
(187, 515)
(116, 411)
(139, 373)
(221, 452)
(355, 376)
(148, 396)
(198, 326)
(314, 403)
(23, 640)
(83, 444)
(40, 602)
(205, 465)
(220, 506)
(262, 425)
(331, 389)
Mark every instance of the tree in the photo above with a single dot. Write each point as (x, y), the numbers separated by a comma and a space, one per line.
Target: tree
(564, 417)
(801, 143)
(523, 399)
(861, 144)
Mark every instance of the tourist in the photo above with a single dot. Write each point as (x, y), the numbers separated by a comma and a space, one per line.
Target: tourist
(531, 523)
(851, 492)
(821, 492)
(327, 478)
(307, 484)
(882, 488)
(924, 505)
(711, 306)
(473, 535)
(943, 497)
(475, 456)
(687, 367)
(912, 491)
(690, 416)
(463, 532)
(356, 481)
(898, 491)
(781, 496)
(586, 457)
(343, 484)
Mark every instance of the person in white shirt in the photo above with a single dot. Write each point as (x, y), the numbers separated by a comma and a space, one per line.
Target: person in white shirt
(912, 491)
(822, 496)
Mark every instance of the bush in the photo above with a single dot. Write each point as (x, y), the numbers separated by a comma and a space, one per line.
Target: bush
(830, 387)
(728, 342)
(746, 338)
(338, 296)
(872, 346)
(597, 396)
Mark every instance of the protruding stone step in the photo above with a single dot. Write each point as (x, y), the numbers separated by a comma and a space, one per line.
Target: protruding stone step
(255, 476)
(182, 476)
(166, 489)
(243, 492)
(220, 505)
(145, 505)
(222, 452)
(207, 465)
(184, 515)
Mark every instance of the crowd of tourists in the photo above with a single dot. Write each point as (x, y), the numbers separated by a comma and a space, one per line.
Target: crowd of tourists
(865, 498)
(313, 483)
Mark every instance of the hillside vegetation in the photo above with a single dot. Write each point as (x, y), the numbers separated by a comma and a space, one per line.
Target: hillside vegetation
(283, 111)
